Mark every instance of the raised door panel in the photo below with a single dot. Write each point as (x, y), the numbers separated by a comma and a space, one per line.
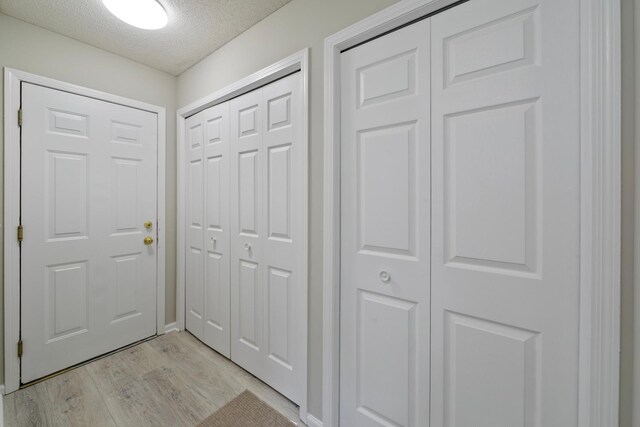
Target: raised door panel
(215, 301)
(387, 79)
(279, 190)
(124, 293)
(67, 123)
(386, 190)
(214, 193)
(195, 291)
(506, 152)
(67, 196)
(248, 189)
(496, 46)
(249, 306)
(386, 352)
(66, 302)
(509, 378)
(385, 220)
(491, 187)
(125, 181)
(195, 198)
(279, 317)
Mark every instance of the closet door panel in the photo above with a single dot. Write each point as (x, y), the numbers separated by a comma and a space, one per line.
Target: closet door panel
(506, 214)
(385, 237)
(195, 253)
(216, 295)
(246, 231)
(282, 240)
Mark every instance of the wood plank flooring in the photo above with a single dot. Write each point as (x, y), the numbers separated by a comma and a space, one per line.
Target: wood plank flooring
(171, 380)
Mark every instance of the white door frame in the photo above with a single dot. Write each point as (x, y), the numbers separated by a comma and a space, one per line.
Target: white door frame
(600, 201)
(12, 80)
(299, 61)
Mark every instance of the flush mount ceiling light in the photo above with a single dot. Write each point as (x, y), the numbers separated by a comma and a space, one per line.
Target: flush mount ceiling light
(145, 14)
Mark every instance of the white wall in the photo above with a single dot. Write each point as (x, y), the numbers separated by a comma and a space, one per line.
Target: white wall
(629, 76)
(32, 49)
(299, 24)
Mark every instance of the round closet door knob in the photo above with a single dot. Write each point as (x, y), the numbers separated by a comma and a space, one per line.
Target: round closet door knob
(385, 277)
(247, 246)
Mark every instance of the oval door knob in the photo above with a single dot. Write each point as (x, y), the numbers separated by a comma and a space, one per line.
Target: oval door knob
(247, 246)
(385, 277)
(148, 240)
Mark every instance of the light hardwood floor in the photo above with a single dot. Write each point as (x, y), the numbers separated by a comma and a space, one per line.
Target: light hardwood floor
(171, 380)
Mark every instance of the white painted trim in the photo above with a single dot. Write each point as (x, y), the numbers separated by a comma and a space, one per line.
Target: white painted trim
(299, 61)
(600, 109)
(11, 222)
(180, 225)
(636, 278)
(1, 405)
(12, 80)
(161, 226)
(600, 195)
(313, 421)
(171, 327)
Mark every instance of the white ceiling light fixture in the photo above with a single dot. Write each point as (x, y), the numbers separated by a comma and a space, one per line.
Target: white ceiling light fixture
(145, 14)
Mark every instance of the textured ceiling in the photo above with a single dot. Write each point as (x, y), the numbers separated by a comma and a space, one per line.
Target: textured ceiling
(196, 27)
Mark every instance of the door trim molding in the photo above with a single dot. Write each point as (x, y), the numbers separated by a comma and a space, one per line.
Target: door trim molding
(299, 61)
(12, 80)
(635, 402)
(600, 113)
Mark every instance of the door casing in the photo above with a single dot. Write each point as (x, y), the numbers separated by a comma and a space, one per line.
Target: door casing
(12, 98)
(600, 171)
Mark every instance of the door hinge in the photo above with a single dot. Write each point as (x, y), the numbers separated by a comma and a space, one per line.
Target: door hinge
(20, 117)
(20, 233)
(20, 348)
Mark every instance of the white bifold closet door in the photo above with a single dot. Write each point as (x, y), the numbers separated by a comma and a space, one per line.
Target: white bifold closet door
(246, 284)
(207, 213)
(489, 179)
(268, 283)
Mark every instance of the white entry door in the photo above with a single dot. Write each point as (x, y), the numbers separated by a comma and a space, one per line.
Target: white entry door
(89, 183)
(385, 252)
(506, 214)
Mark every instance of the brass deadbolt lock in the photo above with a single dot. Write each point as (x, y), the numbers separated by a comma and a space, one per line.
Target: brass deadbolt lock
(148, 224)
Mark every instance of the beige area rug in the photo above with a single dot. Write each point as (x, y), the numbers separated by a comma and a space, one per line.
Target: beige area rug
(246, 410)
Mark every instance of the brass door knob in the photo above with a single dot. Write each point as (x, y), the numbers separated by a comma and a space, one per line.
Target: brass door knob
(148, 240)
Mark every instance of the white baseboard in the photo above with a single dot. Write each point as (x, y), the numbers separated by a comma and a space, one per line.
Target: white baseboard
(313, 421)
(1, 406)
(171, 327)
